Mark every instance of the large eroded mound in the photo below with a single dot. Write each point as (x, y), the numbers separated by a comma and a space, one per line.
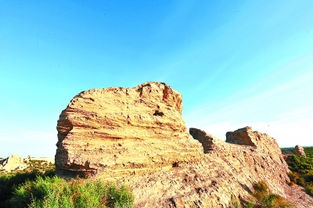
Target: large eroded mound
(116, 131)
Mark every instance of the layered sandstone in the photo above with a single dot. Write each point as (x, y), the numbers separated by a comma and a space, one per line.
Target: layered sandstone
(246, 136)
(136, 136)
(118, 131)
(226, 170)
(208, 141)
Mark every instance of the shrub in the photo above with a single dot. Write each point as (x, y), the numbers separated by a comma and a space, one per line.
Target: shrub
(265, 199)
(300, 164)
(302, 170)
(9, 182)
(274, 201)
(309, 177)
(309, 151)
(235, 202)
(260, 190)
(293, 177)
(309, 189)
(47, 192)
(300, 181)
(119, 197)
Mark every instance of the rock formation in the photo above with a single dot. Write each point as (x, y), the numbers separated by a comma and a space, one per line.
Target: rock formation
(207, 141)
(137, 136)
(246, 136)
(118, 131)
(226, 169)
(16, 163)
(299, 151)
(13, 162)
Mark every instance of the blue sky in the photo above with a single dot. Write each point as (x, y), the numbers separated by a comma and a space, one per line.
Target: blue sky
(236, 63)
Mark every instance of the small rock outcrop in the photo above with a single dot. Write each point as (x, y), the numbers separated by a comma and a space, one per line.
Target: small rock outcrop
(243, 136)
(261, 141)
(208, 141)
(299, 151)
(13, 162)
(118, 131)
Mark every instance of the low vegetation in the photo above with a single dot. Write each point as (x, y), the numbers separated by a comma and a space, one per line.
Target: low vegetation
(38, 189)
(302, 170)
(261, 197)
(39, 165)
(309, 151)
(9, 182)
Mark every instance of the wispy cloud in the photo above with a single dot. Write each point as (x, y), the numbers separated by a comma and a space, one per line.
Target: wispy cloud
(284, 112)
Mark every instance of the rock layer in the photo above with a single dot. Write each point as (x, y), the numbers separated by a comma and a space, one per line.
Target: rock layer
(117, 131)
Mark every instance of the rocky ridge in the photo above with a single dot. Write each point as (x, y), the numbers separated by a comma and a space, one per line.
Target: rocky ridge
(137, 136)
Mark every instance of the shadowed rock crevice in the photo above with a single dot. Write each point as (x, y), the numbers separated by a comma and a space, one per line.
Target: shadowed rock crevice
(158, 113)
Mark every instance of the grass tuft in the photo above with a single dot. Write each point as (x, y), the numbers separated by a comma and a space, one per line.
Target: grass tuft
(263, 198)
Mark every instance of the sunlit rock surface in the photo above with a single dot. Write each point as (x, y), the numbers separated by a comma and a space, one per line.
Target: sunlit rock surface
(137, 136)
(118, 131)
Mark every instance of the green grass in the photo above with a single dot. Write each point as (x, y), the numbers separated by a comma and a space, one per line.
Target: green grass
(263, 198)
(309, 189)
(302, 170)
(44, 190)
(9, 182)
(309, 151)
(299, 164)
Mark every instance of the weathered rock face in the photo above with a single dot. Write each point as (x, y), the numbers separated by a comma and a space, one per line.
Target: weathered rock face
(299, 151)
(261, 161)
(118, 131)
(208, 142)
(137, 136)
(226, 169)
(261, 141)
